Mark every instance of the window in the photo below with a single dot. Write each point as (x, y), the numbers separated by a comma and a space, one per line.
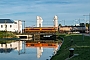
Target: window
(10, 45)
(10, 26)
(1, 26)
(5, 26)
(1, 45)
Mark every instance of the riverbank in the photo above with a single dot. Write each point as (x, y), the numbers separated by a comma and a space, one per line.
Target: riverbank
(6, 34)
(80, 43)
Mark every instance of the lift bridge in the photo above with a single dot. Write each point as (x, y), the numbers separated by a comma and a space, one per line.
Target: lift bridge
(39, 33)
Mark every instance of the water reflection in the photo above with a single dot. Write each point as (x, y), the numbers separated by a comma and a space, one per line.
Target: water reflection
(39, 51)
(8, 47)
(28, 50)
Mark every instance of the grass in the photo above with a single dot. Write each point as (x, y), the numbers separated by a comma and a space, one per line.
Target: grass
(4, 34)
(81, 47)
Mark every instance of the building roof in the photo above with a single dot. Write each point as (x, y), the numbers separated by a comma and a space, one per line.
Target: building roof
(7, 21)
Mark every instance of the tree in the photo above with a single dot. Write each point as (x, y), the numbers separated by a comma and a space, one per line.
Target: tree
(60, 25)
(87, 25)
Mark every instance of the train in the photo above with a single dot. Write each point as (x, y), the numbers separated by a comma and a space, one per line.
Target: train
(80, 29)
(40, 30)
(60, 29)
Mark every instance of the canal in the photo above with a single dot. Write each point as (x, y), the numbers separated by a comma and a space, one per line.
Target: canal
(21, 50)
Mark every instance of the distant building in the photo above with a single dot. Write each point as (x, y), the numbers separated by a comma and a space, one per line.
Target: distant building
(10, 25)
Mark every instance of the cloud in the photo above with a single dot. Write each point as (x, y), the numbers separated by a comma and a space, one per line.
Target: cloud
(29, 9)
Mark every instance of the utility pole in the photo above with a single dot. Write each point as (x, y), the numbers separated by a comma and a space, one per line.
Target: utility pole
(77, 20)
(18, 26)
(5, 25)
(24, 26)
(89, 22)
(63, 22)
(5, 29)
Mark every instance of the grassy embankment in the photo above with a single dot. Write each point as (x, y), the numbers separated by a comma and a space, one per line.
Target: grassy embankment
(6, 37)
(4, 34)
(82, 47)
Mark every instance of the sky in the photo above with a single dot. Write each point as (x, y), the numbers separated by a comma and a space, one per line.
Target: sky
(68, 11)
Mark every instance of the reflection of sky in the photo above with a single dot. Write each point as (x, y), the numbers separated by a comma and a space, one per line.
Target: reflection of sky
(31, 54)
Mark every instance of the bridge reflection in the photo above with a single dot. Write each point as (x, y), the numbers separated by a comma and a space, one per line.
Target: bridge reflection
(50, 45)
(21, 47)
(40, 47)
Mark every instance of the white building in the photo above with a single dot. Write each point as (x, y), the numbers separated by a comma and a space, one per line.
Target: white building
(10, 25)
(39, 21)
(55, 21)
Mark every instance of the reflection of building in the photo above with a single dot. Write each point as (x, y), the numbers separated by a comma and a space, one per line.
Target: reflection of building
(39, 51)
(8, 50)
(40, 47)
(11, 46)
(10, 25)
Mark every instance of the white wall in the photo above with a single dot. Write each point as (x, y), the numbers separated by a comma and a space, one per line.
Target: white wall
(18, 26)
(8, 27)
(14, 27)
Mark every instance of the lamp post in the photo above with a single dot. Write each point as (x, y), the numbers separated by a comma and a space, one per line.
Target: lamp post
(60, 22)
(64, 22)
(5, 25)
(24, 27)
(89, 22)
(79, 21)
(71, 52)
(5, 29)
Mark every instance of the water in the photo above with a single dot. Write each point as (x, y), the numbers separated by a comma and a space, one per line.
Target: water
(19, 51)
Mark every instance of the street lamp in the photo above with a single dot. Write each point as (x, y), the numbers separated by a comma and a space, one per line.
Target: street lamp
(5, 28)
(89, 22)
(60, 22)
(24, 26)
(5, 25)
(71, 52)
(63, 21)
(78, 21)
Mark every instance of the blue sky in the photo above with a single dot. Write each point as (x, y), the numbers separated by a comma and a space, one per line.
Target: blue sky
(27, 10)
